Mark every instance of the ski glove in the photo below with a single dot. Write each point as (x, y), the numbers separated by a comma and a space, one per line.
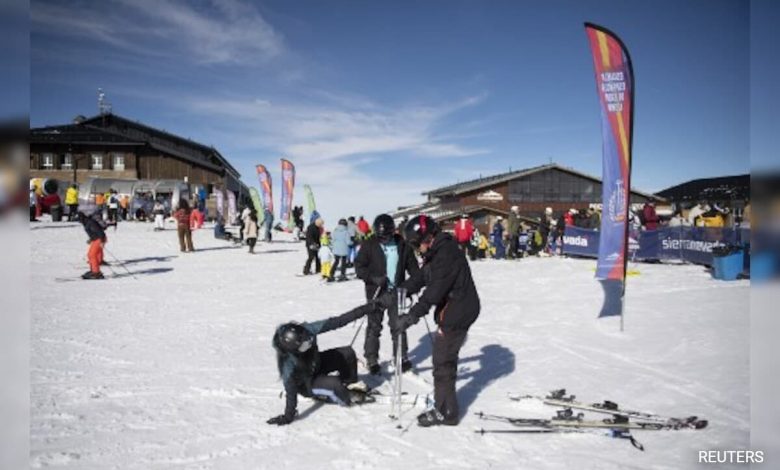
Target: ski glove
(405, 321)
(379, 281)
(386, 300)
(280, 420)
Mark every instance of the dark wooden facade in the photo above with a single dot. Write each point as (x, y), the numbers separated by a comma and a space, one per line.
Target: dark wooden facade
(109, 146)
(532, 190)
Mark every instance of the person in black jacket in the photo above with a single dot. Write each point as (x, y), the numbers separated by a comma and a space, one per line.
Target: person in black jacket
(97, 237)
(450, 289)
(382, 263)
(313, 233)
(304, 370)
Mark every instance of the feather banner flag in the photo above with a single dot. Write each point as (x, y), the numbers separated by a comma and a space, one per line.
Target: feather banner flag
(615, 88)
(266, 189)
(288, 183)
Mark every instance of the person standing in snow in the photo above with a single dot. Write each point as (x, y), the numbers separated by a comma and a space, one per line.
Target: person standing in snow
(498, 238)
(313, 233)
(450, 290)
(251, 231)
(97, 238)
(72, 201)
(159, 215)
(353, 236)
(342, 243)
(306, 371)
(649, 217)
(513, 227)
(113, 208)
(463, 231)
(182, 216)
(382, 263)
(325, 256)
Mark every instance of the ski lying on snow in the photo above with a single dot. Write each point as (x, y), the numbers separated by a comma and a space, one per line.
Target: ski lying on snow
(374, 396)
(578, 422)
(558, 398)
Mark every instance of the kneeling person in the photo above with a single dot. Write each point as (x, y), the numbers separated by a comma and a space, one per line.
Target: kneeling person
(305, 370)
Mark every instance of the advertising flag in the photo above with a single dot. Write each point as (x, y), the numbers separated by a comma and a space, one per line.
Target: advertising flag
(231, 197)
(311, 207)
(257, 203)
(265, 187)
(615, 87)
(220, 203)
(288, 183)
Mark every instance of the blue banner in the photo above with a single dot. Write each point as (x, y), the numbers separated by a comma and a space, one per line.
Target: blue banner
(689, 244)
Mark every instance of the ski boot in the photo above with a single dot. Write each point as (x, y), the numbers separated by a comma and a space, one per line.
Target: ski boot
(433, 417)
(406, 365)
(91, 275)
(374, 369)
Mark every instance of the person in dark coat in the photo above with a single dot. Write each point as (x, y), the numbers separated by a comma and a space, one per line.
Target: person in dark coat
(383, 263)
(450, 290)
(306, 371)
(97, 238)
(313, 233)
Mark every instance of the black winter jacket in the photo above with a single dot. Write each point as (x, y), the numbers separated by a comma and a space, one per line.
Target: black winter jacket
(94, 229)
(313, 237)
(448, 284)
(371, 263)
(298, 371)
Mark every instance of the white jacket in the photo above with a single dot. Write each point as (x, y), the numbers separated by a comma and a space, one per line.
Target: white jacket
(325, 254)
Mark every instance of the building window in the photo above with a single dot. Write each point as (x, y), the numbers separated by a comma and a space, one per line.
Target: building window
(97, 161)
(119, 161)
(48, 161)
(67, 162)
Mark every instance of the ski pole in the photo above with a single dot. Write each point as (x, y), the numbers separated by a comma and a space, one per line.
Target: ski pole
(121, 263)
(376, 294)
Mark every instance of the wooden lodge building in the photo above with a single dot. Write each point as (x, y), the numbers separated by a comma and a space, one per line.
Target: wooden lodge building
(531, 189)
(113, 147)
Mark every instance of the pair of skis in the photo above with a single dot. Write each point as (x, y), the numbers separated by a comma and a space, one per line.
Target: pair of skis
(571, 418)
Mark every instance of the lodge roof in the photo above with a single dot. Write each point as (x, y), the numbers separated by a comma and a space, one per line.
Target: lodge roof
(112, 129)
(736, 187)
(484, 182)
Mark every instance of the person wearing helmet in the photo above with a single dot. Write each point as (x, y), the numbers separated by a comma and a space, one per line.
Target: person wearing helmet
(450, 290)
(97, 238)
(382, 264)
(305, 370)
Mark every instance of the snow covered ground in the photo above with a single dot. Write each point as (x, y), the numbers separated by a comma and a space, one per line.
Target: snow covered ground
(173, 368)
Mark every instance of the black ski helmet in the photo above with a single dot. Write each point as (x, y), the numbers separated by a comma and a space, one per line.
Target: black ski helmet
(384, 227)
(293, 338)
(420, 229)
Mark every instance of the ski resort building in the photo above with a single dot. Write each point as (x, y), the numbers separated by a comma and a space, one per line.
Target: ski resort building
(727, 191)
(108, 146)
(531, 190)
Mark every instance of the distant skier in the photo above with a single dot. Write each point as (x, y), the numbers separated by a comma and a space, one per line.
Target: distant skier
(313, 233)
(97, 237)
(182, 216)
(305, 370)
(450, 289)
(72, 201)
(251, 231)
(325, 256)
(159, 215)
(342, 243)
(498, 238)
(383, 263)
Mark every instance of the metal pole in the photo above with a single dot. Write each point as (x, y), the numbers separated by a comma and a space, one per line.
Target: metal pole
(376, 294)
(121, 263)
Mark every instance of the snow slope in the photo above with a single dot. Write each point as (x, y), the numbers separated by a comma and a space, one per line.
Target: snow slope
(173, 368)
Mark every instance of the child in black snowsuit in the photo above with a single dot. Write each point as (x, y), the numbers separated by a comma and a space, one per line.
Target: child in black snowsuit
(305, 370)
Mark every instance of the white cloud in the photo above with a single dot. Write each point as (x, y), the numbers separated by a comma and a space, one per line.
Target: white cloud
(228, 32)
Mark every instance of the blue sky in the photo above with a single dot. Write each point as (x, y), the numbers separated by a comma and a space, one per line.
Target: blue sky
(376, 102)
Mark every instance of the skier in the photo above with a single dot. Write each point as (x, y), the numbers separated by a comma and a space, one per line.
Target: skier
(304, 370)
(97, 238)
(463, 231)
(342, 243)
(513, 227)
(268, 223)
(182, 217)
(450, 289)
(325, 256)
(251, 231)
(313, 232)
(498, 238)
(72, 201)
(363, 228)
(159, 215)
(113, 208)
(382, 263)
(353, 236)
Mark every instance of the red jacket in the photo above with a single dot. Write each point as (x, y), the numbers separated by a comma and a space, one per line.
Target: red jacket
(196, 219)
(362, 225)
(568, 219)
(463, 230)
(650, 217)
(182, 217)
